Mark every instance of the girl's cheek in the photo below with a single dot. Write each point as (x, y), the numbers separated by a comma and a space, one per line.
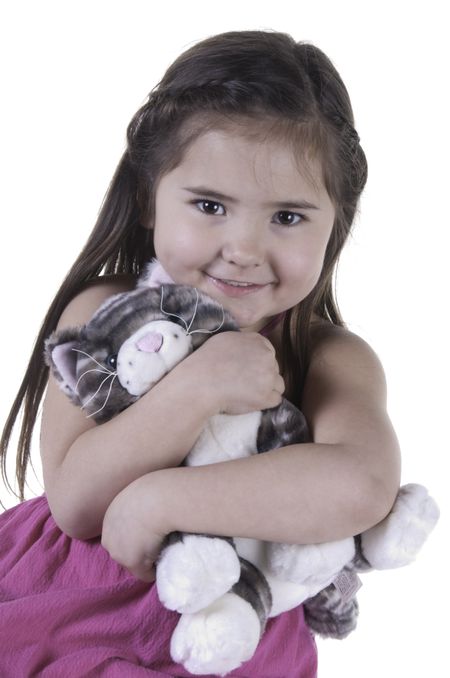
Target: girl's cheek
(304, 270)
(182, 256)
(304, 259)
(172, 241)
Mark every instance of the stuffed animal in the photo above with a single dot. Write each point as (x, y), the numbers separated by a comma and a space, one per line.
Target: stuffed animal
(225, 589)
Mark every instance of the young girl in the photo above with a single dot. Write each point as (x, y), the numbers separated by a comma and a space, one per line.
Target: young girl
(242, 175)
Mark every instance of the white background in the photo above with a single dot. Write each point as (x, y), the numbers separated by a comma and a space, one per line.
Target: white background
(73, 75)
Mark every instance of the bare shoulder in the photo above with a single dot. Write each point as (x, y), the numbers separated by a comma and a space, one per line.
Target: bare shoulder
(342, 357)
(84, 304)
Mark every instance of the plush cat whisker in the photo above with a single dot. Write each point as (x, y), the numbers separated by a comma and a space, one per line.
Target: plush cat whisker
(94, 369)
(103, 370)
(216, 329)
(172, 314)
(194, 314)
(201, 331)
(103, 367)
(114, 376)
(188, 327)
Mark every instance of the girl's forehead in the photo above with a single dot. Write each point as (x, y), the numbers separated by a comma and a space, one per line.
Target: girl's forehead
(239, 156)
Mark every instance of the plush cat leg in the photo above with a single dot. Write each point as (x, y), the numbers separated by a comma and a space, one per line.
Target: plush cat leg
(194, 570)
(330, 615)
(312, 566)
(217, 639)
(396, 540)
(221, 637)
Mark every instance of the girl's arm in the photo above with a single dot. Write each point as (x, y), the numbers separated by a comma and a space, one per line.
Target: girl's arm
(338, 486)
(86, 465)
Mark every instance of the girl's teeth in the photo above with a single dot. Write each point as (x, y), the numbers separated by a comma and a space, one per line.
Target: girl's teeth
(236, 284)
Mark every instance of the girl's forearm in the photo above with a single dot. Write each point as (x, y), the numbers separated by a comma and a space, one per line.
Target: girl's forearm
(307, 493)
(146, 437)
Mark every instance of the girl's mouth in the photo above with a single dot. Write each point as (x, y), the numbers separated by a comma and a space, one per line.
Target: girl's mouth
(234, 288)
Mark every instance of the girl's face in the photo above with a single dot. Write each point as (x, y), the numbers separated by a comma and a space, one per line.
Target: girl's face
(239, 221)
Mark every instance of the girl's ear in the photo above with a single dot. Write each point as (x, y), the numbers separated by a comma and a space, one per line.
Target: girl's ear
(62, 360)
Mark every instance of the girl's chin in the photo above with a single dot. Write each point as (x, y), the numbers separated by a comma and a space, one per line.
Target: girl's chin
(247, 322)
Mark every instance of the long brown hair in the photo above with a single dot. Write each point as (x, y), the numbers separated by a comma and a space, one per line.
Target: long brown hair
(251, 76)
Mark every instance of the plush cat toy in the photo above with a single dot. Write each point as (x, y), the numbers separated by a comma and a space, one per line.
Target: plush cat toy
(224, 589)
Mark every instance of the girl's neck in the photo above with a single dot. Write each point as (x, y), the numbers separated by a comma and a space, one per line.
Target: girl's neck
(273, 322)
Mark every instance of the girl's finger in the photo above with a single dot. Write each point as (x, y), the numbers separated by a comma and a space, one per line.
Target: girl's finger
(144, 573)
(280, 385)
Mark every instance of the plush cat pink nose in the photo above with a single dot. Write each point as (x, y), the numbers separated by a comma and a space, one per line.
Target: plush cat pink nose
(150, 342)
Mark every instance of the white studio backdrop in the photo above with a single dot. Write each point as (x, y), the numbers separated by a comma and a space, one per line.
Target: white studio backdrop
(73, 75)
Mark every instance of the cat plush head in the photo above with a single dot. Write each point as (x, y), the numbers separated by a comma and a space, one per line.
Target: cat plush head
(132, 341)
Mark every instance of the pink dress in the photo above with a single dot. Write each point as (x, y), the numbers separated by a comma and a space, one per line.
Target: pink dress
(68, 610)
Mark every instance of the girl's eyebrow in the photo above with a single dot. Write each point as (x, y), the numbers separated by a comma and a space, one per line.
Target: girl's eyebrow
(298, 204)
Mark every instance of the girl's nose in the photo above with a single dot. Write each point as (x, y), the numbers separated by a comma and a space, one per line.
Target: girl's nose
(150, 342)
(244, 249)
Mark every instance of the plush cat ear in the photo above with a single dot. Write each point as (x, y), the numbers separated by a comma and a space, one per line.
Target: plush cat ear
(154, 275)
(62, 360)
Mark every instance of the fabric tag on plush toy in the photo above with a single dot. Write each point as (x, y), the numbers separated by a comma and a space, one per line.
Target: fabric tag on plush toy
(347, 583)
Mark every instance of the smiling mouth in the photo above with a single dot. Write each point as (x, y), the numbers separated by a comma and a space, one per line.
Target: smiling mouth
(237, 283)
(235, 287)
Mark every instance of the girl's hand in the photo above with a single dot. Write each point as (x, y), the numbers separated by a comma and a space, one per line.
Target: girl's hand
(240, 371)
(134, 528)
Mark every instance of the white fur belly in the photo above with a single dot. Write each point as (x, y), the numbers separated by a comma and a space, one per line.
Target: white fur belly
(285, 594)
(226, 437)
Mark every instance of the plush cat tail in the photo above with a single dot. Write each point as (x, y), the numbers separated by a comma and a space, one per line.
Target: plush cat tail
(60, 356)
(329, 615)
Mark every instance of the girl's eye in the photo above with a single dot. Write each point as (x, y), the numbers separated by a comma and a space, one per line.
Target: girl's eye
(288, 218)
(111, 361)
(209, 206)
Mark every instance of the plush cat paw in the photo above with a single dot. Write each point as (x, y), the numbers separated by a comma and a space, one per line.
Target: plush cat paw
(313, 566)
(218, 639)
(397, 540)
(195, 571)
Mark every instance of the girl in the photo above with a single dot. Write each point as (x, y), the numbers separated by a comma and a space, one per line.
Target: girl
(242, 175)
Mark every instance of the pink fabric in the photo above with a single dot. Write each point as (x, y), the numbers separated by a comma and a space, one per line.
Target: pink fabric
(67, 609)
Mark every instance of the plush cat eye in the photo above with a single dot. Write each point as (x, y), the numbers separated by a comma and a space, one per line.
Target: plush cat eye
(111, 361)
